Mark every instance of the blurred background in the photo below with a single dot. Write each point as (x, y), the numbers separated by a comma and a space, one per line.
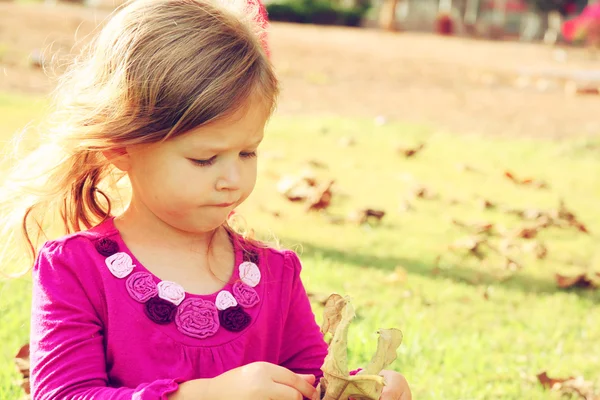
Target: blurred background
(436, 160)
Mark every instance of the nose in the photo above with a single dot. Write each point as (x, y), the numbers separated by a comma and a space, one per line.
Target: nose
(229, 177)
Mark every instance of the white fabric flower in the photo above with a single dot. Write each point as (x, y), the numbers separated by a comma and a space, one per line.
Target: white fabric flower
(171, 291)
(225, 300)
(120, 264)
(249, 273)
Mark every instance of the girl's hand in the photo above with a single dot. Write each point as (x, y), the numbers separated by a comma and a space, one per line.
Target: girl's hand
(260, 381)
(396, 387)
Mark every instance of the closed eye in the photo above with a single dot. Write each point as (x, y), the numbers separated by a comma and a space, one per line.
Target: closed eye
(210, 161)
(250, 154)
(204, 163)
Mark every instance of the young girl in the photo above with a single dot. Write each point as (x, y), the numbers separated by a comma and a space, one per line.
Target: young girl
(164, 300)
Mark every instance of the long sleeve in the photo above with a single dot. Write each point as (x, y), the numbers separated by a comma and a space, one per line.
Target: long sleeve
(304, 349)
(67, 335)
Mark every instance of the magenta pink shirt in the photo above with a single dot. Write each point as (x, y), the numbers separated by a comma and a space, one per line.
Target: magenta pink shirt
(93, 335)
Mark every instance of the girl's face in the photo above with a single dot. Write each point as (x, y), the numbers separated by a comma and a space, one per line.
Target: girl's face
(193, 182)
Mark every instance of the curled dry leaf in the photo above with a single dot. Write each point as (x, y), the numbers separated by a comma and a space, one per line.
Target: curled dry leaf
(476, 228)
(22, 362)
(568, 386)
(320, 199)
(472, 244)
(410, 151)
(422, 192)
(363, 216)
(485, 204)
(583, 280)
(295, 188)
(526, 181)
(337, 384)
(332, 313)
(527, 232)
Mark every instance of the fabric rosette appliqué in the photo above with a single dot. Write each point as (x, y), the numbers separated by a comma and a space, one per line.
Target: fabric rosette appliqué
(167, 302)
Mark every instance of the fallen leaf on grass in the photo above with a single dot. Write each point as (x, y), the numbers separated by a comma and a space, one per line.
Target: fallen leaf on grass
(527, 181)
(527, 232)
(561, 217)
(22, 362)
(583, 280)
(423, 192)
(295, 189)
(485, 204)
(570, 385)
(337, 383)
(476, 228)
(363, 216)
(472, 244)
(320, 199)
(410, 151)
(568, 216)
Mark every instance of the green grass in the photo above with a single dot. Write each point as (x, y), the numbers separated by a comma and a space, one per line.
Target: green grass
(458, 345)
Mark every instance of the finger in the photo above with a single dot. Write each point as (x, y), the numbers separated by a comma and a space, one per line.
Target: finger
(310, 378)
(288, 378)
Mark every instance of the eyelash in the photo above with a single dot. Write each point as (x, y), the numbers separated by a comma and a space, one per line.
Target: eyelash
(211, 161)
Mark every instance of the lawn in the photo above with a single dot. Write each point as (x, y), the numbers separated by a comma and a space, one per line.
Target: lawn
(473, 329)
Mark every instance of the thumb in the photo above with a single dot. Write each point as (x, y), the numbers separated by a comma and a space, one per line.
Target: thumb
(310, 378)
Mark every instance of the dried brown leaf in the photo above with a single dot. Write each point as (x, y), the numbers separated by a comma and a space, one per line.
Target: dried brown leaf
(476, 228)
(22, 363)
(583, 280)
(526, 181)
(410, 151)
(337, 384)
(363, 216)
(332, 313)
(568, 386)
(320, 199)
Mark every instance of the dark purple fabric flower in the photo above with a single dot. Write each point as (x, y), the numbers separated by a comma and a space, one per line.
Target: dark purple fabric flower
(160, 311)
(141, 286)
(234, 319)
(107, 247)
(197, 318)
(245, 295)
(251, 256)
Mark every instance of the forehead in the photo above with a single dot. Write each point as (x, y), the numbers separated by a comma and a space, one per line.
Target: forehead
(242, 128)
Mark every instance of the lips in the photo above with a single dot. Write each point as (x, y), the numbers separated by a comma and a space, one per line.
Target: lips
(224, 205)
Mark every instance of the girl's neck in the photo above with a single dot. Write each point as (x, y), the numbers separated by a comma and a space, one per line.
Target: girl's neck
(148, 230)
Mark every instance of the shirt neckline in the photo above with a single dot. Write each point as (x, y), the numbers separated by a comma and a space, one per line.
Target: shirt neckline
(238, 259)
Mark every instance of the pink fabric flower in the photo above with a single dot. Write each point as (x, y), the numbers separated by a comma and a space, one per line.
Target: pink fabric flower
(249, 273)
(141, 286)
(120, 264)
(245, 295)
(171, 291)
(225, 300)
(197, 318)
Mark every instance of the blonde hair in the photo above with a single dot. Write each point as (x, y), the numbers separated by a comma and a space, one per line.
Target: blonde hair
(157, 69)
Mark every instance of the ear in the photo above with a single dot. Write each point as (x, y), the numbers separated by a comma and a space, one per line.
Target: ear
(119, 157)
